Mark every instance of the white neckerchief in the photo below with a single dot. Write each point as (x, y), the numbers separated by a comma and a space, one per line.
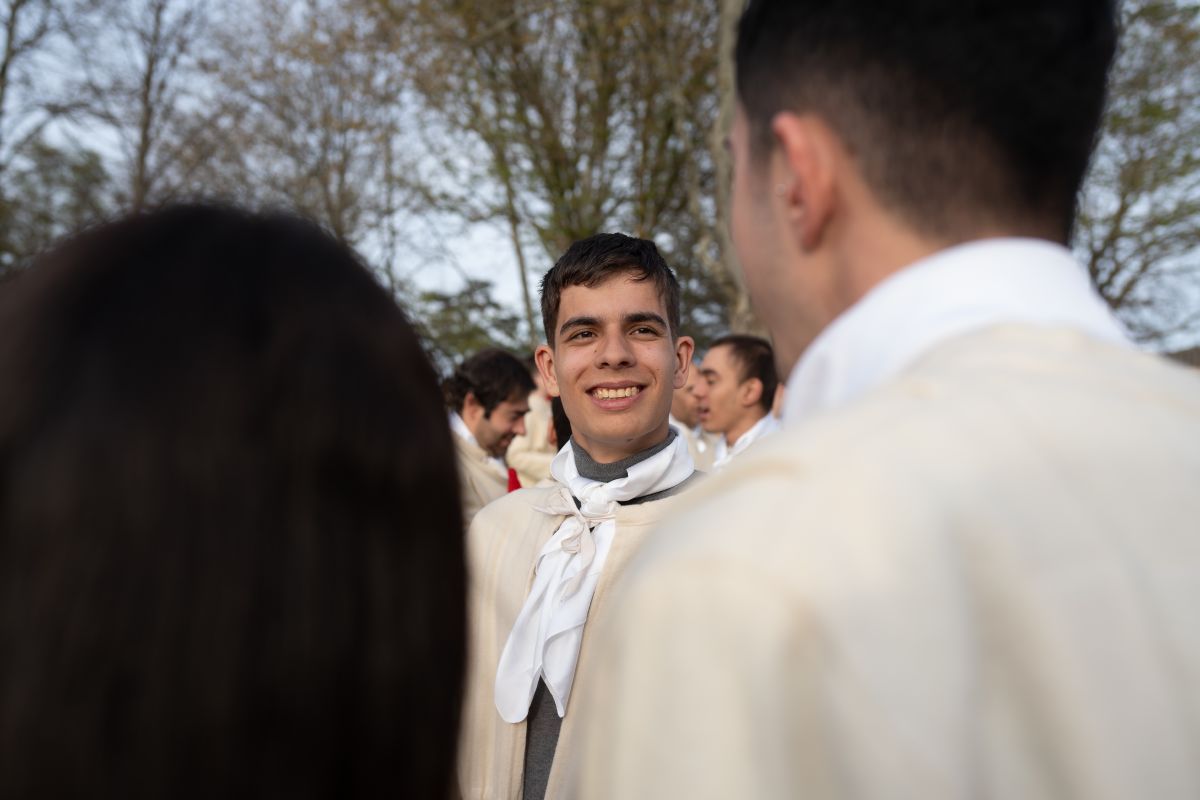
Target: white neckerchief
(545, 639)
(723, 453)
(950, 293)
(459, 426)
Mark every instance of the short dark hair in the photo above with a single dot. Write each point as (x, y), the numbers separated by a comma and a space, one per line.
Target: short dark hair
(231, 550)
(591, 261)
(959, 111)
(492, 375)
(756, 357)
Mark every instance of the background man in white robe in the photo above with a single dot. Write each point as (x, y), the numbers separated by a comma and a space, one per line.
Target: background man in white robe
(541, 560)
(970, 564)
(685, 417)
(735, 394)
(488, 398)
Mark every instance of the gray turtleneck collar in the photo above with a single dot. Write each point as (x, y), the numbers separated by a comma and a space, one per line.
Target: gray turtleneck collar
(591, 469)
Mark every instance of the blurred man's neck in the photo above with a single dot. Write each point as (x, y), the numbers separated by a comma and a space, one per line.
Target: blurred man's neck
(739, 430)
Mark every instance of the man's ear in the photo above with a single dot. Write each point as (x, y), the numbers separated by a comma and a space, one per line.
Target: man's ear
(544, 357)
(806, 173)
(472, 410)
(750, 392)
(685, 346)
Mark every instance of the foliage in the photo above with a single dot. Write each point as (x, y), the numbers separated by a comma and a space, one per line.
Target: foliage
(1139, 226)
(313, 118)
(57, 191)
(623, 144)
(546, 120)
(453, 325)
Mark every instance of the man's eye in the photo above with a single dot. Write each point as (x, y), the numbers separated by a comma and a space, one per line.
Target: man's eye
(580, 335)
(645, 331)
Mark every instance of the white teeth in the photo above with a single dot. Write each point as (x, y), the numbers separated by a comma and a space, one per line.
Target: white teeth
(612, 394)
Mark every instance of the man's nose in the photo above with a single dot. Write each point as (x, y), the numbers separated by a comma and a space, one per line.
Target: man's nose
(519, 428)
(614, 351)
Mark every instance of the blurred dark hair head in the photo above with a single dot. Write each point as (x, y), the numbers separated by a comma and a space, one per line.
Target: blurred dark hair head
(961, 113)
(591, 261)
(492, 375)
(756, 359)
(230, 539)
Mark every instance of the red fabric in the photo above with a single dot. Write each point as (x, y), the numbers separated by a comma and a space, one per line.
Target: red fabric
(514, 482)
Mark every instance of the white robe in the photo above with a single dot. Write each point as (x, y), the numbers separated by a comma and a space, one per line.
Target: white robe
(724, 453)
(974, 573)
(503, 545)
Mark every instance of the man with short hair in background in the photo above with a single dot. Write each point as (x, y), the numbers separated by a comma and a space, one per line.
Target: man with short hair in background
(735, 394)
(488, 397)
(969, 566)
(685, 417)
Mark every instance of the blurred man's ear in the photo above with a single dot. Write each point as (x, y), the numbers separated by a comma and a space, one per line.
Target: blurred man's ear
(750, 392)
(807, 181)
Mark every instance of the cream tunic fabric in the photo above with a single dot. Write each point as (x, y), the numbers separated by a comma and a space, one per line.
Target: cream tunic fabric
(980, 580)
(480, 478)
(502, 548)
(530, 455)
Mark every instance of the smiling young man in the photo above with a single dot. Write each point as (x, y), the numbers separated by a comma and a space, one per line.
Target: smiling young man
(542, 560)
(968, 566)
(735, 394)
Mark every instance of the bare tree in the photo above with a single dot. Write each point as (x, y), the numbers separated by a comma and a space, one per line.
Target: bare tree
(37, 199)
(561, 118)
(1139, 226)
(139, 77)
(313, 117)
(28, 28)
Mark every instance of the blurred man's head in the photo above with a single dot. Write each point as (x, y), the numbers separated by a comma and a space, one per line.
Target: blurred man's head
(869, 134)
(738, 385)
(490, 391)
(685, 406)
(610, 308)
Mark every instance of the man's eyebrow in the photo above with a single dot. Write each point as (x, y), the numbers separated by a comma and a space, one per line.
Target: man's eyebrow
(706, 371)
(578, 322)
(644, 316)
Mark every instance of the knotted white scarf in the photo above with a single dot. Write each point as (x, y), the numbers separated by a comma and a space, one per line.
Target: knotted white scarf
(545, 640)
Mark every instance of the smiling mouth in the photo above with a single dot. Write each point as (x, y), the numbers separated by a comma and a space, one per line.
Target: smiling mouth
(600, 393)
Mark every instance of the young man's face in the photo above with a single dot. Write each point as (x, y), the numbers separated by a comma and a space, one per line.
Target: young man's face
(728, 405)
(495, 432)
(614, 365)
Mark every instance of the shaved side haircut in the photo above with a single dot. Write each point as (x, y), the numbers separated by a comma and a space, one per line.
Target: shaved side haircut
(961, 113)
